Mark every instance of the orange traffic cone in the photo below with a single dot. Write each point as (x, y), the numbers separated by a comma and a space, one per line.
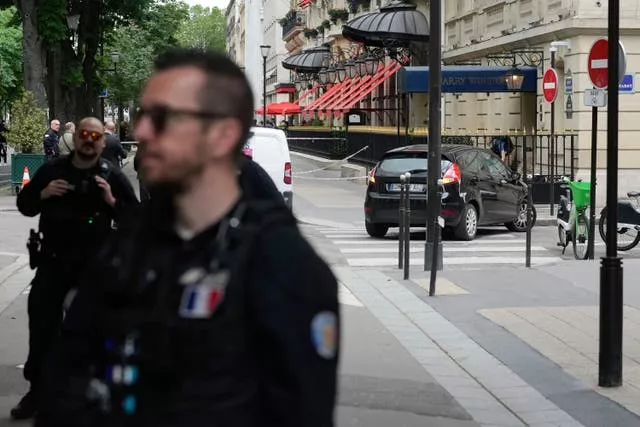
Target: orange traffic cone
(25, 176)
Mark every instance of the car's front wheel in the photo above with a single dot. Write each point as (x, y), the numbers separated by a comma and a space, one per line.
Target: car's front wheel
(376, 230)
(468, 225)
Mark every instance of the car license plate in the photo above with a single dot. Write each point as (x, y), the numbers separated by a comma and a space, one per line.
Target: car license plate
(413, 188)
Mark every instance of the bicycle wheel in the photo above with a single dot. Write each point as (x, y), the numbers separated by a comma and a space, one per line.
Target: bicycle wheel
(581, 238)
(627, 239)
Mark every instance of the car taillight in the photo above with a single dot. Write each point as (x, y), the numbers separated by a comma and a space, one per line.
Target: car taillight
(452, 174)
(247, 152)
(287, 173)
(372, 175)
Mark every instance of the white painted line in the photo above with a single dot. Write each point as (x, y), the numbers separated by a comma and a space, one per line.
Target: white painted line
(344, 236)
(387, 262)
(20, 366)
(446, 249)
(599, 63)
(347, 298)
(390, 242)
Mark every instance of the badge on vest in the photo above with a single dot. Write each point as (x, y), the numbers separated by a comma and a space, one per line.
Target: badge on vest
(202, 299)
(324, 334)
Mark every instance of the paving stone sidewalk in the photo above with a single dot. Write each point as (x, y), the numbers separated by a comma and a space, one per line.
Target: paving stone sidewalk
(532, 332)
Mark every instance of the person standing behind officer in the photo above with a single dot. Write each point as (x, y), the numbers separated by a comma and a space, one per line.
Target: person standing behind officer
(113, 150)
(51, 140)
(77, 197)
(66, 140)
(208, 308)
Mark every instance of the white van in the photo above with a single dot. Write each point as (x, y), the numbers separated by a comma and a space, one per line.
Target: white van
(269, 148)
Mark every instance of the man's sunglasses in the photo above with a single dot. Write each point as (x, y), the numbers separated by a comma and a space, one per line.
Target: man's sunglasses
(160, 115)
(90, 135)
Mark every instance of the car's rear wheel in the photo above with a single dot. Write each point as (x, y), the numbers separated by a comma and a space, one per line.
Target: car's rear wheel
(468, 225)
(376, 230)
(520, 223)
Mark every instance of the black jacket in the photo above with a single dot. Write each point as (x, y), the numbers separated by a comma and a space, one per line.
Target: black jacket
(266, 355)
(113, 150)
(76, 223)
(50, 142)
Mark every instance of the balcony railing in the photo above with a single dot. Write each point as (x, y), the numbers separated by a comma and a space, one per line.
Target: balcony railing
(292, 23)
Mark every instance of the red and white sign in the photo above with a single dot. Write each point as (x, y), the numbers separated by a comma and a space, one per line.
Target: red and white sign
(550, 85)
(598, 63)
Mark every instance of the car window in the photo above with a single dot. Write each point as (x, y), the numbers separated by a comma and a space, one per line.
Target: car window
(470, 163)
(497, 170)
(399, 163)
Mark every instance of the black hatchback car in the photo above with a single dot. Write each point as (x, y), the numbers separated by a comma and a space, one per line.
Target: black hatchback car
(479, 189)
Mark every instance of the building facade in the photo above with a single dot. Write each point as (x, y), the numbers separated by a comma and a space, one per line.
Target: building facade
(481, 31)
(279, 85)
(235, 31)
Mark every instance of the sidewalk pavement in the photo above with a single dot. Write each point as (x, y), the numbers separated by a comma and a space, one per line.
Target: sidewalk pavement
(513, 346)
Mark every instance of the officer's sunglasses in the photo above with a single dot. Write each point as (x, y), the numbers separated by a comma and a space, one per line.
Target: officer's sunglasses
(89, 135)
(160, 115)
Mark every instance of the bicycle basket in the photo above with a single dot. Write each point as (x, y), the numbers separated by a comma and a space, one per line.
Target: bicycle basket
(581, 192)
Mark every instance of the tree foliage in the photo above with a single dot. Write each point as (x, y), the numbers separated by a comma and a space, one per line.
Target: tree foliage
(134, 67)
(10, 55)
(27, 123)
(206, 29)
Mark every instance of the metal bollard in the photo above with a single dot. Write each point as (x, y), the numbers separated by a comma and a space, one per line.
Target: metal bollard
(407, 225)
(401, 223)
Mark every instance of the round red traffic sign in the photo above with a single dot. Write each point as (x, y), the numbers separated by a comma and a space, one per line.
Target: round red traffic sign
(598, 63)
(550, 85)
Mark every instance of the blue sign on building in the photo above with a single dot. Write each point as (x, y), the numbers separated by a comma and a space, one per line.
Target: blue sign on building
(627, 85)
(104, 93)
(466, 78)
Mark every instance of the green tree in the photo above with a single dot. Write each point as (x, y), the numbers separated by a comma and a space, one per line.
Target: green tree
(27, 124)
(134, 67)
(162, 22)
(206, 29)
(10, 56)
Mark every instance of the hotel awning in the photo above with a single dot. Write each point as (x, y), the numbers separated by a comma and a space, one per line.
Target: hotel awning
(345, 95)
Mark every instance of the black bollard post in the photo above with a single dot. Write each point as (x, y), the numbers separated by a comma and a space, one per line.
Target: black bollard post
(407, 226)
(401, 224)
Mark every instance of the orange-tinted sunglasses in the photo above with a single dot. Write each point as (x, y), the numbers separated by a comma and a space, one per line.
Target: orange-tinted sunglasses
(92, 135)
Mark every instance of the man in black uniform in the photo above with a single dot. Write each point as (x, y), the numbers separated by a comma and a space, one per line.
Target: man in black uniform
(113, 150)
(51, 139)
(209, 308)
(78, 197)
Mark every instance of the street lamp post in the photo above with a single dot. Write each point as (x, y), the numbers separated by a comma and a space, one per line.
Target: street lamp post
(433, 246)
(611, 292)
(264, 50)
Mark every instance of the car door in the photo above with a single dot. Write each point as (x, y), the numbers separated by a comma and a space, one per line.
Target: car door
(507, 190)
(478, 185)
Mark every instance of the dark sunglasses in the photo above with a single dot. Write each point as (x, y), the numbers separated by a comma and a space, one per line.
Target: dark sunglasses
(91, 135)
(159, 115)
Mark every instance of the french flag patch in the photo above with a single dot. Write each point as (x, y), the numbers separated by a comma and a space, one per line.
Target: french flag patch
(201, 301)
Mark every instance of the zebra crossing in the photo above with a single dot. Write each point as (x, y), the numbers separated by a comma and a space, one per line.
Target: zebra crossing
(359, 250)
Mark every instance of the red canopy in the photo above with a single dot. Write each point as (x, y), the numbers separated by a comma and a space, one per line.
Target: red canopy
(281, 108)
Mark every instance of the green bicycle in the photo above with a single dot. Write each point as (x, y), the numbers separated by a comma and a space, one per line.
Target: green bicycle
(573, 217)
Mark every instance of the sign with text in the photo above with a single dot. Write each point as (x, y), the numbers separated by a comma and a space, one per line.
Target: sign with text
(595, 98)
(628, 84)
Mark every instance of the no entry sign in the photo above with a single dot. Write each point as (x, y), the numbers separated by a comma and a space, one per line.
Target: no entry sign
(550, 85)
(598, 63)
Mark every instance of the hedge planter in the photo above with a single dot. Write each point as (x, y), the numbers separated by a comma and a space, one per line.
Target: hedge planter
(18, 162)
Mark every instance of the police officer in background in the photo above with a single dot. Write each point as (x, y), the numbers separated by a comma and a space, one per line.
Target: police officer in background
(51, 140)
(208, 308)
(78, 197)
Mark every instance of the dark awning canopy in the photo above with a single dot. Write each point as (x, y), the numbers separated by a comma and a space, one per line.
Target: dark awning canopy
(395, 25)
(308, 61)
